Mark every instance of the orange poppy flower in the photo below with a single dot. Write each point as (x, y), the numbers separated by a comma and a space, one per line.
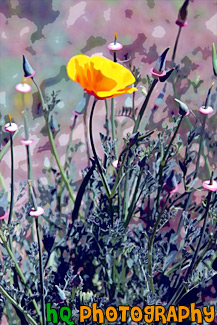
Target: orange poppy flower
(99, 76)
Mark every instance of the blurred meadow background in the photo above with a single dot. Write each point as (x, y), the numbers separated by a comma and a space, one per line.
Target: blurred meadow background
(49, 33)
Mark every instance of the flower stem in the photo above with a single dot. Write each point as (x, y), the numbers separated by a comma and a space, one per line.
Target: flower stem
(173, 137)
(14, 302)
(104, 182)
(12, 180)
(51, 139)
(62, 172)
(40, 94)
(107, 118)
(189, 198)
(200, 146)
(66, 159)
(113, 127)
(163, 161)
(41, 273)
(133, 203)
(4, 150)
(143, 108)
(176, 44)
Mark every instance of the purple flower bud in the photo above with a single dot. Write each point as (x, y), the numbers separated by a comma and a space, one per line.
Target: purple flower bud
(171, 185)
(53, 124)
(181, 21)
(77, 280)
(166, 76)
(27, 69)
(183, 108)
(161, 62)
(134, 137)
(142, 162)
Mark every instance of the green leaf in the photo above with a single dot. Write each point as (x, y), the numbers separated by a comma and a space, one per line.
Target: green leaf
(214, 59)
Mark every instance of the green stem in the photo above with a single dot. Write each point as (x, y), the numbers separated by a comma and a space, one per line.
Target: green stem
(200, 146)
(40, 94)
(104, 182)
(14, 302)
(125, 154)
(173, 137)
(151, 243)
(143, 108)
(196, 171)
(113, 127)
(12, 180)
(4, 150)
(51, 139)
(107, 118)
(176, 44)
(163, 161)
(133, 202)
(2, 182)
(22, 277)
(41, 273)
(66, 159)
(62, 172)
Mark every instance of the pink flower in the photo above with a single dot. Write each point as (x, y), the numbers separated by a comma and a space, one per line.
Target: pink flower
(36, 213)
(23, 88)
(115, 46)
(206, 111)
(116, 164)
(27, 142)
(5, 215)
(210, 187)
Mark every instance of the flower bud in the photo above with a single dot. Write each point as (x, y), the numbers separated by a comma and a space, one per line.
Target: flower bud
(142, 162)
(214, 60)
(27, 69)
(171, 185)
(181, 21)
(159, 68)
(60, 296)
(183, 108)
(134, 137)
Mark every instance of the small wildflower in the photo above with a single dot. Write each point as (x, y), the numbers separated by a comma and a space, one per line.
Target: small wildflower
(171, 185)
(116, 164)
(27, 142)
(3, 214)
(100, 76)
(115, 46)
(11, 127)
(205, 109)
(210, 185)
(23, 88)
(36, 213)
